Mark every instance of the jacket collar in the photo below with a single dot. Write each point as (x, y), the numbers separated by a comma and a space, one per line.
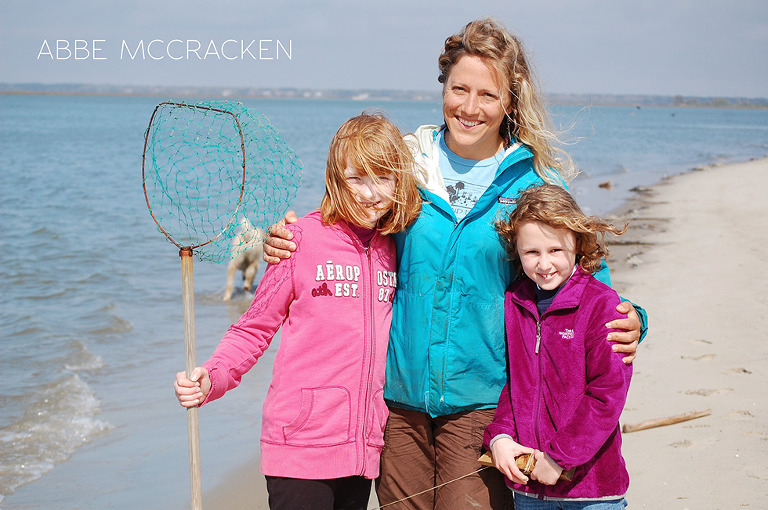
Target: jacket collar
(426, 151)
(343, 230)
(523, 292)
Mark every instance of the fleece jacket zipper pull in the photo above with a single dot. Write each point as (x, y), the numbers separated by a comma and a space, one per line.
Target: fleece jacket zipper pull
(538, 335)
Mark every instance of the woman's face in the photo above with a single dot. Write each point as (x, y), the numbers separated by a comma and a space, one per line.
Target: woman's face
(472, 108)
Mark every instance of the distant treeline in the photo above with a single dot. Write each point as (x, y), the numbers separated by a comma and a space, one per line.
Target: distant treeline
(642, 100)
(368, 95)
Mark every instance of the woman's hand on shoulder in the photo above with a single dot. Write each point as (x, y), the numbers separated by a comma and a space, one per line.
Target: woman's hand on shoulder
(278, 244)
(629, 338)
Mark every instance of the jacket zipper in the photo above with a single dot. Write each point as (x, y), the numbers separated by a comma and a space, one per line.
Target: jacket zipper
(539, 384)
(371, 347)
(538, 335)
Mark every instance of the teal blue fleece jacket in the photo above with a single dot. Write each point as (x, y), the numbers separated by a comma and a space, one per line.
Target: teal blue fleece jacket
(447, 352)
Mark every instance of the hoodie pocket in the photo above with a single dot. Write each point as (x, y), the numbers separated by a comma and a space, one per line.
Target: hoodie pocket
(378, 420)
(322, 420)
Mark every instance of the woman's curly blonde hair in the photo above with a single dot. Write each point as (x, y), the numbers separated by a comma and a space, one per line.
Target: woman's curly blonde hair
(526, 120)
(553, 206)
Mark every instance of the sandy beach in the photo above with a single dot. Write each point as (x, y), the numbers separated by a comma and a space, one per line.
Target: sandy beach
(696, 268)
(692, 259)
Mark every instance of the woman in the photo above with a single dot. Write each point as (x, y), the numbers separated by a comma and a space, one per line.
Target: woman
(446, 362)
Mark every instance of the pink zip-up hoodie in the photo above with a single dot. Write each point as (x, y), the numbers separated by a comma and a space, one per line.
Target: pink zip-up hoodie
(324, 413)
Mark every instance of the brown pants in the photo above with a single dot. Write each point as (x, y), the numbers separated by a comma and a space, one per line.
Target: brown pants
(421, 452)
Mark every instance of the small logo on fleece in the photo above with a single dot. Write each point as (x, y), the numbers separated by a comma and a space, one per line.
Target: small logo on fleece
(567, 334)
(507, 200)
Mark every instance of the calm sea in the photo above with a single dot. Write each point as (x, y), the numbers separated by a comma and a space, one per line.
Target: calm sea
(90, 310)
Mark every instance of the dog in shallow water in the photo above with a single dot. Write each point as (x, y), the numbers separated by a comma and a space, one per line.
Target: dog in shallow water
(246, 252)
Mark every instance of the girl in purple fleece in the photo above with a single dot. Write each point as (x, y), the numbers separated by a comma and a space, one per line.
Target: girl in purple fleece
(566, 388)
(324, 414)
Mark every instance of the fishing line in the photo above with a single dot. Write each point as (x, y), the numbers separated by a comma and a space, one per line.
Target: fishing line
(430, 489)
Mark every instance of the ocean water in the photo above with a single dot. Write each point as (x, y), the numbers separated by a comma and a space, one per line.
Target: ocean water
(91, 322)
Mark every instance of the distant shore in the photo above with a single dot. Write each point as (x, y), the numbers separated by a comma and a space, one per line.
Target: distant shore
(633, 100)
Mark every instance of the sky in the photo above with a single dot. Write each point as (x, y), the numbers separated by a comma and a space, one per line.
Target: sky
(651, 47)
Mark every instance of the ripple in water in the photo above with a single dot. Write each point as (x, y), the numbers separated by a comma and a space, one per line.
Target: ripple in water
(82, 359)
(62, 418)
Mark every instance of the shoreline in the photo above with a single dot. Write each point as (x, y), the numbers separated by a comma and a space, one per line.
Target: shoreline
(691, 259)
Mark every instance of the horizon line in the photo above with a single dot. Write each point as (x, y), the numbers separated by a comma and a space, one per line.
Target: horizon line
(358, 93)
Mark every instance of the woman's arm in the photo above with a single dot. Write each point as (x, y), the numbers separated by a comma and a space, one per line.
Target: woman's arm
(630, 331)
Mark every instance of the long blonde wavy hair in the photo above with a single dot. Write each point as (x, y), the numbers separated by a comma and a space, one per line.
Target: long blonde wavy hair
(527, 120)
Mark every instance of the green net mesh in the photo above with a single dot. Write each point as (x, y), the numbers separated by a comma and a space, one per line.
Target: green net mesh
(216, 176)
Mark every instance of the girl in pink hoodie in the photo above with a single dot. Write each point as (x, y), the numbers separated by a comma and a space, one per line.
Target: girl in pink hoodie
(324, 413)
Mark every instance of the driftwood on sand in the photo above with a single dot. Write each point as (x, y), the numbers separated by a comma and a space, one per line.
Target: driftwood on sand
(660, 422)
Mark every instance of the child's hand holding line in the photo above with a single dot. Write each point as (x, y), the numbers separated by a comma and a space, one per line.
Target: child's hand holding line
(504, 451)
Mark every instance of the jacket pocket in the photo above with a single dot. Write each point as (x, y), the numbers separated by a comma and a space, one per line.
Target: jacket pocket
(323, 419)
(377, 420)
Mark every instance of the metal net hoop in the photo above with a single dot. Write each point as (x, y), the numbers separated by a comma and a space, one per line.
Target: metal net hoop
(210, 169)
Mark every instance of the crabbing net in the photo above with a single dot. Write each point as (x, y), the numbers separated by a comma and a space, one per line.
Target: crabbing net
(214, 174)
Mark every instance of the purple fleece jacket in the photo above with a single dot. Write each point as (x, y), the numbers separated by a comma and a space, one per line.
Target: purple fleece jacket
(566, 388)
(324, 413)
